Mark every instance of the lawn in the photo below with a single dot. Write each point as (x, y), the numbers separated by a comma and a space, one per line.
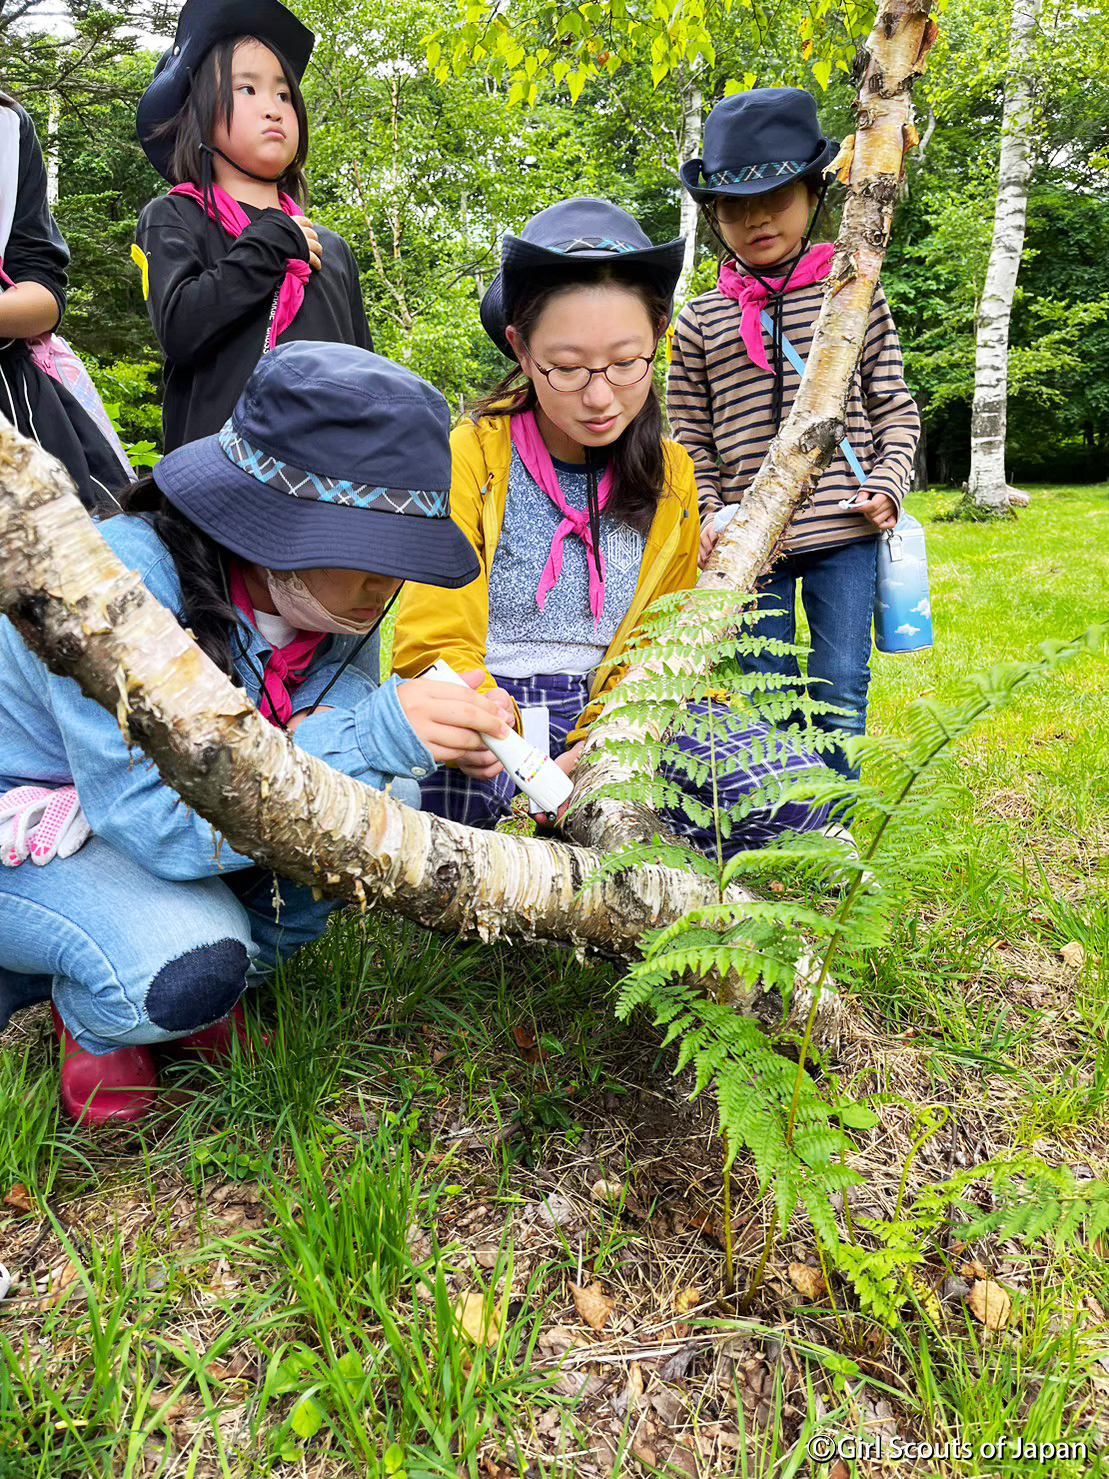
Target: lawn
(457, 1219)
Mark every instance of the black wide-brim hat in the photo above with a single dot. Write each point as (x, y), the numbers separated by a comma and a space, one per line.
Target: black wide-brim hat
(332, 458)
(756, 142)
(566, 241)
(201, 25)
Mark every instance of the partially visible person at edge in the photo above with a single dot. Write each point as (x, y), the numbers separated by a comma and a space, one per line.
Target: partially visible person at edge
(231, 265)
(581, 515)
(279, 542)
(33, 260)
(761, 186)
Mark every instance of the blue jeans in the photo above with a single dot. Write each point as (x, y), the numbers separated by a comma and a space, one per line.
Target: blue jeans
(837, 592)
(133, 958)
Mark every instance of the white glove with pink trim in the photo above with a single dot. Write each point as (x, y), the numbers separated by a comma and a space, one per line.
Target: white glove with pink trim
(39, 823)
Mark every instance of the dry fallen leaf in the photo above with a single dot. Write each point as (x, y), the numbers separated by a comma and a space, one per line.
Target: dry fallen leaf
(989, 1303)
(1074, 954)
(974, 1270)
(480, 1322)
(687, 1299)
(18, 1199)
(528, 1044)
(634, 1392)
(593, 1305)
(807, 1281)
(839, 1470)
(59, 1285)
(607, 1191)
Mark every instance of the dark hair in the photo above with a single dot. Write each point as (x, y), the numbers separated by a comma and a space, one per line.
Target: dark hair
(636, 457)
(201, 566)
(210, 95)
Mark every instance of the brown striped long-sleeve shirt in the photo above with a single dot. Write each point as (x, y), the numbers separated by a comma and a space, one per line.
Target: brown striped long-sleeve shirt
(719, 404)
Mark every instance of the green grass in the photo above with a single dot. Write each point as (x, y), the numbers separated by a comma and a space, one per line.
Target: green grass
(269, 1280)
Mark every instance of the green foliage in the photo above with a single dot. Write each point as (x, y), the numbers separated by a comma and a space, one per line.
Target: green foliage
(767, 1105)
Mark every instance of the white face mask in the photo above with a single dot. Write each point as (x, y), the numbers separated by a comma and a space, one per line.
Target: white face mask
(296, 603)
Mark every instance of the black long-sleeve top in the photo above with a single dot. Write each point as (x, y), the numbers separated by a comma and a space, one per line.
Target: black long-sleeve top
(36, 250)
(210, 296)
(37, 405)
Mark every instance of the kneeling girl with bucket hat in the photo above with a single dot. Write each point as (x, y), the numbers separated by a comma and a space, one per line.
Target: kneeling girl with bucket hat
(738, 354)
(279, 542)
(581, 514)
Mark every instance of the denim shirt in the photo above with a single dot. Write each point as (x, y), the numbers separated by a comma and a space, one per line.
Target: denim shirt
(52, 735)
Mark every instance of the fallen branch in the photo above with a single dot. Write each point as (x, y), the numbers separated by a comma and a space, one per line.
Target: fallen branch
(90, 618)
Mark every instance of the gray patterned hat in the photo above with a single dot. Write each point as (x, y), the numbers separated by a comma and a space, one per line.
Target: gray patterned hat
(333, 458)
(757, 141)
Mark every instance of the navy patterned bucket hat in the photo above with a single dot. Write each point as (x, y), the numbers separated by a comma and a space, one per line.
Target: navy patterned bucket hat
(200, 26)
(757, 141)
(332, 458)
(570, 238)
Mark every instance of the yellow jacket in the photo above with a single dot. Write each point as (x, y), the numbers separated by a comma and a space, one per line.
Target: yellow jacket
(454, 625)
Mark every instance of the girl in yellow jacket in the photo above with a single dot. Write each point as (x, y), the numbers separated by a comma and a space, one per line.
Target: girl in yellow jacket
(580, 513)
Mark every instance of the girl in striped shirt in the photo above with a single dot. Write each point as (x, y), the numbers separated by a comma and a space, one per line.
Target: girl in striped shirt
(761, 184)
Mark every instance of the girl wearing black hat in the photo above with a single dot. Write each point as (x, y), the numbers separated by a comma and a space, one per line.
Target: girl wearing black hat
(580, 513)
(231, 266)
(33, 259)
(733, 377)
(279, 543)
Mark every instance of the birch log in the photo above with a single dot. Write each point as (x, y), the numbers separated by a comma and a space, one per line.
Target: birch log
(986, 486)
(870, 164)
(91, 619)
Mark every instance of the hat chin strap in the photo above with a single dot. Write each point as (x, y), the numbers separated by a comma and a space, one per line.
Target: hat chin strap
(234, 163)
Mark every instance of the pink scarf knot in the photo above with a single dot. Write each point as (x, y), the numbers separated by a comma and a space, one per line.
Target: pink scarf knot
(234, 220)
(751, 294)
(286, 667)
(534, 455)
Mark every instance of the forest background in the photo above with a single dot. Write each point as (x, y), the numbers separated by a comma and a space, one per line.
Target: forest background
(422, 167)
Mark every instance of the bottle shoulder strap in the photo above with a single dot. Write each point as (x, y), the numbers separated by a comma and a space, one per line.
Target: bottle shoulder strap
(799, 365)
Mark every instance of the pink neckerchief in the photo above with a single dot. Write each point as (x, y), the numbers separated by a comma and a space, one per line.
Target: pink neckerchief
(535, 457)
(751, 294)
(286, 667)
(234, 220)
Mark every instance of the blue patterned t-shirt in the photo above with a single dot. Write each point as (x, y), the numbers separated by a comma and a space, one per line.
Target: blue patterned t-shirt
(561, 638)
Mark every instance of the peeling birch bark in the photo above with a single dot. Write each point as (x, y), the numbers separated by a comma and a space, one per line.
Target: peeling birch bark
(91, 619)
(986, 486)
(870, 164)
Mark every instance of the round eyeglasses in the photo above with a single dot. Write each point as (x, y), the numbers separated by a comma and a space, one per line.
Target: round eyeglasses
(734, 210)
(620, 373)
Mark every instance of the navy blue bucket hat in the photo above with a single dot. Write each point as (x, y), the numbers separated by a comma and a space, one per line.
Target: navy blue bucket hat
(332, 458)
(201, 25)
(568, 240)
(757, 141)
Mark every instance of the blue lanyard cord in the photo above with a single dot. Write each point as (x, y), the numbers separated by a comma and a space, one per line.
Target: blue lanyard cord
(799, 365)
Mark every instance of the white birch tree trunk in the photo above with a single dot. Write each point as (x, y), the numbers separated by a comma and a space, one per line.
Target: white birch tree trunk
(986, 487)
(692, 134)
(53, 150)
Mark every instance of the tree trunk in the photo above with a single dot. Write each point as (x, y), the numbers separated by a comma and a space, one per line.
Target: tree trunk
(692, 135)
(987, 488)
(870, 165)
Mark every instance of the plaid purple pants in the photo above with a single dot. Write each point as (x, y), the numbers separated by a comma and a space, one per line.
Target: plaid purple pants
(749, 757)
